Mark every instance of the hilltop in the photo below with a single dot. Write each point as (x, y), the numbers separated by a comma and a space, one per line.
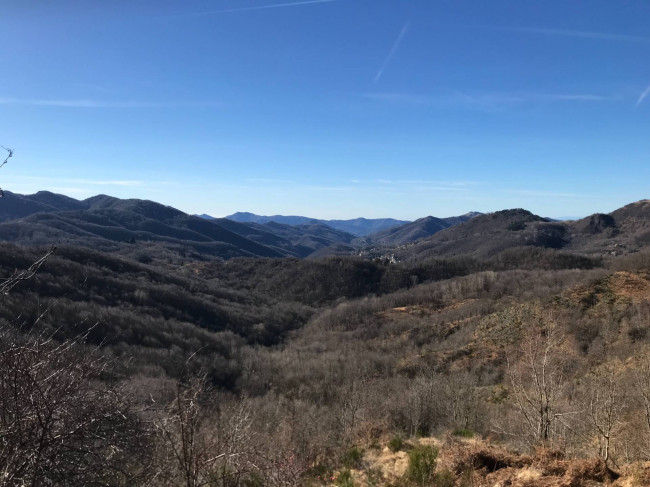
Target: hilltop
(417, 230)
(622, 231)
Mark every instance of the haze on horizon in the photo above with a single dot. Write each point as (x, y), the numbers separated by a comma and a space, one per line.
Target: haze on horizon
(330, 108)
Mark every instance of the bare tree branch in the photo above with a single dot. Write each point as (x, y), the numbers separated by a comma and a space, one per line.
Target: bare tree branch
(18, 276)
(10, 153)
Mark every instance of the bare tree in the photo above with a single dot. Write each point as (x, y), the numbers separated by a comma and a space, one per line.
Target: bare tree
(419, 403)
(350, 406)
(58, 424)
(538, 378)
(606, 404)
(461, 399)
(201, 445)
(641, 380)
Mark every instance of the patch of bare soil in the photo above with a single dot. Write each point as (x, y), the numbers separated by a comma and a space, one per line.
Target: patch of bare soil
(423, 310)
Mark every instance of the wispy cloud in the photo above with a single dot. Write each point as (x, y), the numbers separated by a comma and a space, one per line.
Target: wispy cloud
(537, 194)
(496, 99)
(401, 186)
(75, 103)
(642, 97)
(90, 103)
(392, 52)
(83, 187)
(402, 98)
(68, 190)
(254, 7)
(484, 100)
(424, 181)
(108, 182)
(329, 188)
(98, 182)
(604, 36)
(269, 181)
(454, 184)
(573, 97)
(439, 188)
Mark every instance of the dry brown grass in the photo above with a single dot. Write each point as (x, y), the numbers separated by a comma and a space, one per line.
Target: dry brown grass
(490, 465)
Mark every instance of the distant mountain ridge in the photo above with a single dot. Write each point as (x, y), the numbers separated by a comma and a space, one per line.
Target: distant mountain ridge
(112, 224)
(18, 206)
(293, 240)
(109, 223)
(358, 227)
(625, 230)
(149, 230)
(411, 232)
(246, 217)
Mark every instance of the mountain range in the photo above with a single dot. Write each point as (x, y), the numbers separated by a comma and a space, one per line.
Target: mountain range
(412, 231)
(622, 231)
(358, 227)
(149, 230)
(114, 224)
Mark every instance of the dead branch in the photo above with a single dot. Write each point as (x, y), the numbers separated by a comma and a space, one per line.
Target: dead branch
(18, 276)
(10, 153)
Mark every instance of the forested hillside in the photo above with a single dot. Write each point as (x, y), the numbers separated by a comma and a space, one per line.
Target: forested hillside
(291, 371)
(434, 272)
(619, 232)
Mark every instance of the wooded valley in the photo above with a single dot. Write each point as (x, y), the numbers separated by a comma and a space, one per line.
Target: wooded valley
(504, 350)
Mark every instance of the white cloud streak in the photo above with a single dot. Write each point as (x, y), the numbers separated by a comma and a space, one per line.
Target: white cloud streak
(392, 52)
(98, 182)
(108, 182)
(495, 99)
(402, 186)
(425, 181)
(537, 194)
(89, 103)
(579, 33)
(329, 188)
(269, 181)
(402, 98)
(484, 100)
(257, 7)
(642, 97)
(69, 191)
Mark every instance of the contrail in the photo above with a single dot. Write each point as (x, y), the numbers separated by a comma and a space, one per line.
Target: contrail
(645, 93)
(264, 7)
(392, 52)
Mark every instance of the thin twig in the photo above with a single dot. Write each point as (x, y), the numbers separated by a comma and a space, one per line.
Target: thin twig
(9, 283)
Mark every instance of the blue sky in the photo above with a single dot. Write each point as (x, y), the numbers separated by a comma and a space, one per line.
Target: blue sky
(330, 108)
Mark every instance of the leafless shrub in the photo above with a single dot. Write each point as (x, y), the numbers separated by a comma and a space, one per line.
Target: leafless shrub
(58, 424)
(201, 441)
